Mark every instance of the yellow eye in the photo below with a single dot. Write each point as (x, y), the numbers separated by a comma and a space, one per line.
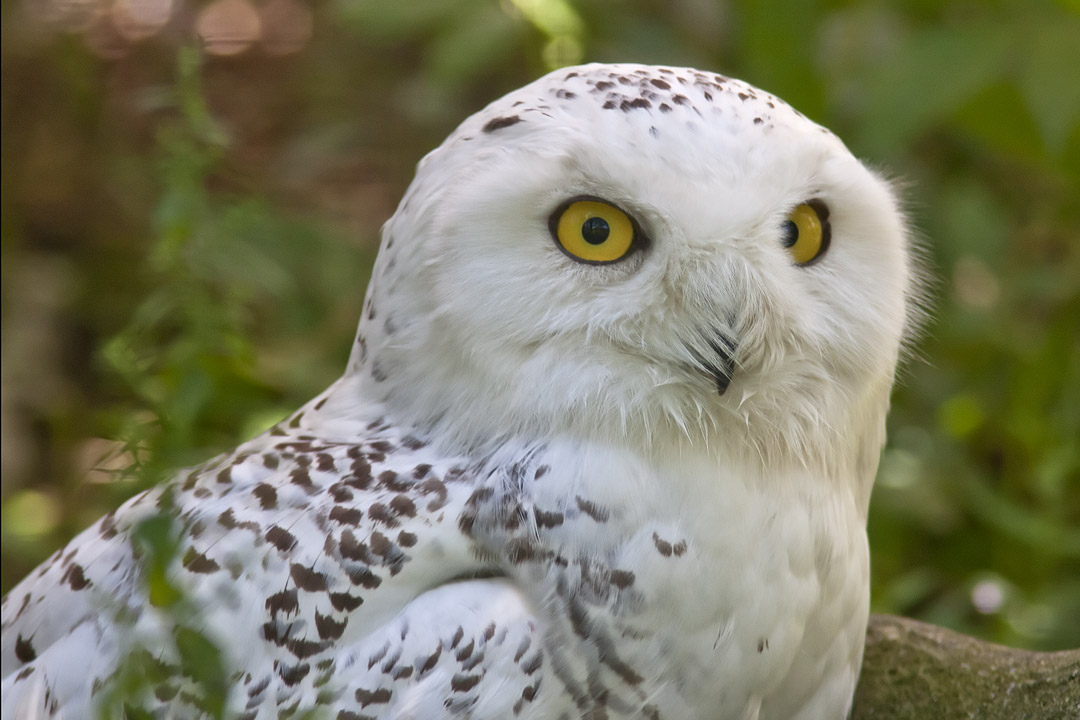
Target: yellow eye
(806, 232)
(593, 231)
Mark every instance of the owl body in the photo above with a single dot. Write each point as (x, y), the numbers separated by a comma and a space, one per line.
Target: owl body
(560, 477)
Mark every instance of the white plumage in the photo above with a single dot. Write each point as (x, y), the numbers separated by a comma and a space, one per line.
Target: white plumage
(561, 477)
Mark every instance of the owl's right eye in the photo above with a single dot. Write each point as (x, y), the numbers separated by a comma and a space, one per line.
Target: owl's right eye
(593, 231)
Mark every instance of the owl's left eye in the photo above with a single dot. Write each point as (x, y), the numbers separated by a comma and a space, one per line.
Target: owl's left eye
(593, 231)
(806, 232)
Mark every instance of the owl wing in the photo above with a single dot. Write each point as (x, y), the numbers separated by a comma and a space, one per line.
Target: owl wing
(322, 570)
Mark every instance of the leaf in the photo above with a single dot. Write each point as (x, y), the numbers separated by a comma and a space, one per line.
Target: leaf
(929, 77)
(774, 34)
(1050, 79)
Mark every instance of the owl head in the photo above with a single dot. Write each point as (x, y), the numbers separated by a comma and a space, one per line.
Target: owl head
(640, 255)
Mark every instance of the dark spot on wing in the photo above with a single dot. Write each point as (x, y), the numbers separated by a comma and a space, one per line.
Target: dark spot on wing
(346, 515)
(285, 602)
(75, 577)
(291, 675)
(280, 538)
(546, 519)
(597, 513)
(329, 629)
(307, 579)
(344, 602)
(24, 649)
(464, 683)
(266, 495)
(196, 562)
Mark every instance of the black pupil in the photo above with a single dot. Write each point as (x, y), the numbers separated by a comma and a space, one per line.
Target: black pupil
(790, 234)
(595, 230)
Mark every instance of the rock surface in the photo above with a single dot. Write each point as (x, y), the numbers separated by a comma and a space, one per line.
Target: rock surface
(916, 671)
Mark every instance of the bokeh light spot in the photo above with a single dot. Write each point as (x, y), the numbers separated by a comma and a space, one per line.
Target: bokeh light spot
(228, 27)
(140, 19)
(286, 26)
(987, 596)
(30, 514)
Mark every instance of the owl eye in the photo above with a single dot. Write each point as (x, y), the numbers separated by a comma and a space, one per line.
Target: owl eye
(593, 231)
(806, 232)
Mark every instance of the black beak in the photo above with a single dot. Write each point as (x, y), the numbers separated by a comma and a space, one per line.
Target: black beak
(719, 364)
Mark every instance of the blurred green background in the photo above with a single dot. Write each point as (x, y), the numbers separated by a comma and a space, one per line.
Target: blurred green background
(186, 238)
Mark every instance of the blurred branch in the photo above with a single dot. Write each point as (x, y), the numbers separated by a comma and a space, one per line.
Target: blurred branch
(913, 671)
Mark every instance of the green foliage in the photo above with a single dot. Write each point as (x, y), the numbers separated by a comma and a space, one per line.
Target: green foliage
(185, 354)
(201, 232)
(189, 664)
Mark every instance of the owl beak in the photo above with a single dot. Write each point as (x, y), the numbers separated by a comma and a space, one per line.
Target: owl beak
(719, 364)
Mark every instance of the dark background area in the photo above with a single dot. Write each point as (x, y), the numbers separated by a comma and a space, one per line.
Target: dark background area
(192, 192)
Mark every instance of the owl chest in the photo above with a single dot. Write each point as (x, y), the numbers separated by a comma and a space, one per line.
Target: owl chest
(657, 582)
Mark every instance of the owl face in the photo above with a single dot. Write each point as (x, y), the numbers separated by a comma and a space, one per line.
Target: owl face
(628, 252)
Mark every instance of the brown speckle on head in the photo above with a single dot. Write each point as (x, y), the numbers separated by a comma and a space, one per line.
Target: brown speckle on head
(501, 122)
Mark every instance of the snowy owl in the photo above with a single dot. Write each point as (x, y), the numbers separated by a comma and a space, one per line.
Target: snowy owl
(603, 448)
